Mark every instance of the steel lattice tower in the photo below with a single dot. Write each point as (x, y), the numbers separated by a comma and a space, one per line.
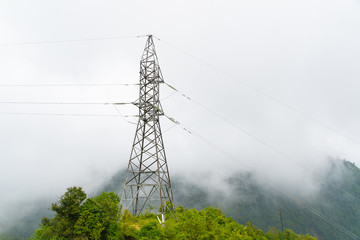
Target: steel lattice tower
(147, 181)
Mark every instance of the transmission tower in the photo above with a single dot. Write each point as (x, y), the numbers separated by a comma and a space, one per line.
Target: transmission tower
(147, 183)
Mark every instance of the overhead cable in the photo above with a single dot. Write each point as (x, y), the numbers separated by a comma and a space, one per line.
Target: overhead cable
(69, 85)
(170, 95)
(258, 139)
(255, 89)
(65, 114)
(123, 116)
(68, 103)
(290, 196)
(70, 40)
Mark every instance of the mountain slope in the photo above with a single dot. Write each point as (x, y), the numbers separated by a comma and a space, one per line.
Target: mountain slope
(338, 199)
(249, 201)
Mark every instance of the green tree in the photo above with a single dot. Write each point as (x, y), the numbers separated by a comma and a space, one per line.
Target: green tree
(96, 218)
(68, 207)
(99, 218)
(67, 210)
(151, 230)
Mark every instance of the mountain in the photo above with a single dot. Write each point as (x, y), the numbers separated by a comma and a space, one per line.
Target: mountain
(338, 198)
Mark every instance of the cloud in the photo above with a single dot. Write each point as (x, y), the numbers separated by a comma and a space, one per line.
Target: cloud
(305, 54)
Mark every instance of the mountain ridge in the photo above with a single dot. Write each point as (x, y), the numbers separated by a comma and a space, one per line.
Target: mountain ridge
(338, 198)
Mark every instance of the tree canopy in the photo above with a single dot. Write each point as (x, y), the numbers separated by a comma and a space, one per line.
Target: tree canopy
(100, 218)
(77, 218)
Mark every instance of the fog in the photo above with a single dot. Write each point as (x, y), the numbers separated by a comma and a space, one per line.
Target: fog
(285, 73)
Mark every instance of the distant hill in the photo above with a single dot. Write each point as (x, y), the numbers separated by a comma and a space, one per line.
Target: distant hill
(260, 205)
(338, 199)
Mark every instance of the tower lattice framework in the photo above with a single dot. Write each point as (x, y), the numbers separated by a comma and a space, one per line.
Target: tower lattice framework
(147, 181)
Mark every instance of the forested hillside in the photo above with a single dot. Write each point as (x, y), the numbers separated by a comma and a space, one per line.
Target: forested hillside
(338, 199)
(78, 217)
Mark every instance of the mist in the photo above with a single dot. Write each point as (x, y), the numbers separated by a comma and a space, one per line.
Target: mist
(299, 58)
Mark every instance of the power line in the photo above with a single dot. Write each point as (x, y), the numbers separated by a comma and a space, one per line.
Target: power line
(307, 206)
(65, 114)
(69, 85)
(70, 40)
(68, 103)
(168, 129)
(170, 95)
(251, 134)
(123, 116)
(258, 139)
(274, 99)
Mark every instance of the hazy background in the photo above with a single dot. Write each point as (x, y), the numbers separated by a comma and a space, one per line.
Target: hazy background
(303, 53)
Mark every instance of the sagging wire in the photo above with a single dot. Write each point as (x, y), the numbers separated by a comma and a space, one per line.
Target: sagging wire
(258, 139)
(168, 129)
(221, 150)
(58, 114)
(70, 85)
(170, 95)
(70, 40)
(68, 103)
(261, 92)
(123, 116)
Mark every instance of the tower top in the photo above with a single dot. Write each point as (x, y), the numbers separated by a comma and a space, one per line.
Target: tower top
(150, 60)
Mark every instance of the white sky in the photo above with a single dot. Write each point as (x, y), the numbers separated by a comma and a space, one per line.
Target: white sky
(303, 53)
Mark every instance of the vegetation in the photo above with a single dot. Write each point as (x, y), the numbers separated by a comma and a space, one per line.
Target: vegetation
(77, 218)
(331, 201)
(99, 218)
(249, 202)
